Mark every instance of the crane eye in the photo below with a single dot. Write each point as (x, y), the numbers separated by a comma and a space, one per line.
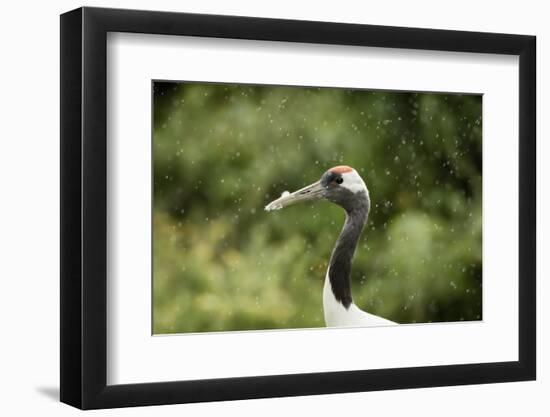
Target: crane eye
(339, 180)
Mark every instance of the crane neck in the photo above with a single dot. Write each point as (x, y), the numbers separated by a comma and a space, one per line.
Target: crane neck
(342, 255)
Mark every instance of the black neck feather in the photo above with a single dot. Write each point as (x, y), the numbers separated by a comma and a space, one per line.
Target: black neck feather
(342, 254)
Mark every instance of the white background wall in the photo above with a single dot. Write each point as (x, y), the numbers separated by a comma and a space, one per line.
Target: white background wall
(29, 207)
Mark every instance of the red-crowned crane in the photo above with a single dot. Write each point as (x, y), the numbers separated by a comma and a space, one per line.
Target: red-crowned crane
(343, 186)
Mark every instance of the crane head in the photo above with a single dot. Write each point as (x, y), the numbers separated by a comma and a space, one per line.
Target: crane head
(341, 184)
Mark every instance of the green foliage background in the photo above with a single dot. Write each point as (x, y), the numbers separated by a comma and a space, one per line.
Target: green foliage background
(222, 152)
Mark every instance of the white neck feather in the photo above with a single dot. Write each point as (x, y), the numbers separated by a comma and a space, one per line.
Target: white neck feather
(336, 315)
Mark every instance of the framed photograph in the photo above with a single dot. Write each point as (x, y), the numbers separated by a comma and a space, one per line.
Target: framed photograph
(258, 208)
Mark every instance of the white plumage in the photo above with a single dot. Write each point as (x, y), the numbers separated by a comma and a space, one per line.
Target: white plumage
(336, 315)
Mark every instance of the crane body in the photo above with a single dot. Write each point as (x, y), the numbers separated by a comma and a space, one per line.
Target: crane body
(343, 186)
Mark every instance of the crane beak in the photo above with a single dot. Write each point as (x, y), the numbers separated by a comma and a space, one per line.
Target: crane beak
(313, 191)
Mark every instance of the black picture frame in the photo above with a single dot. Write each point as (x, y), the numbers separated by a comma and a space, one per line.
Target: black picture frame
(84, 207)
